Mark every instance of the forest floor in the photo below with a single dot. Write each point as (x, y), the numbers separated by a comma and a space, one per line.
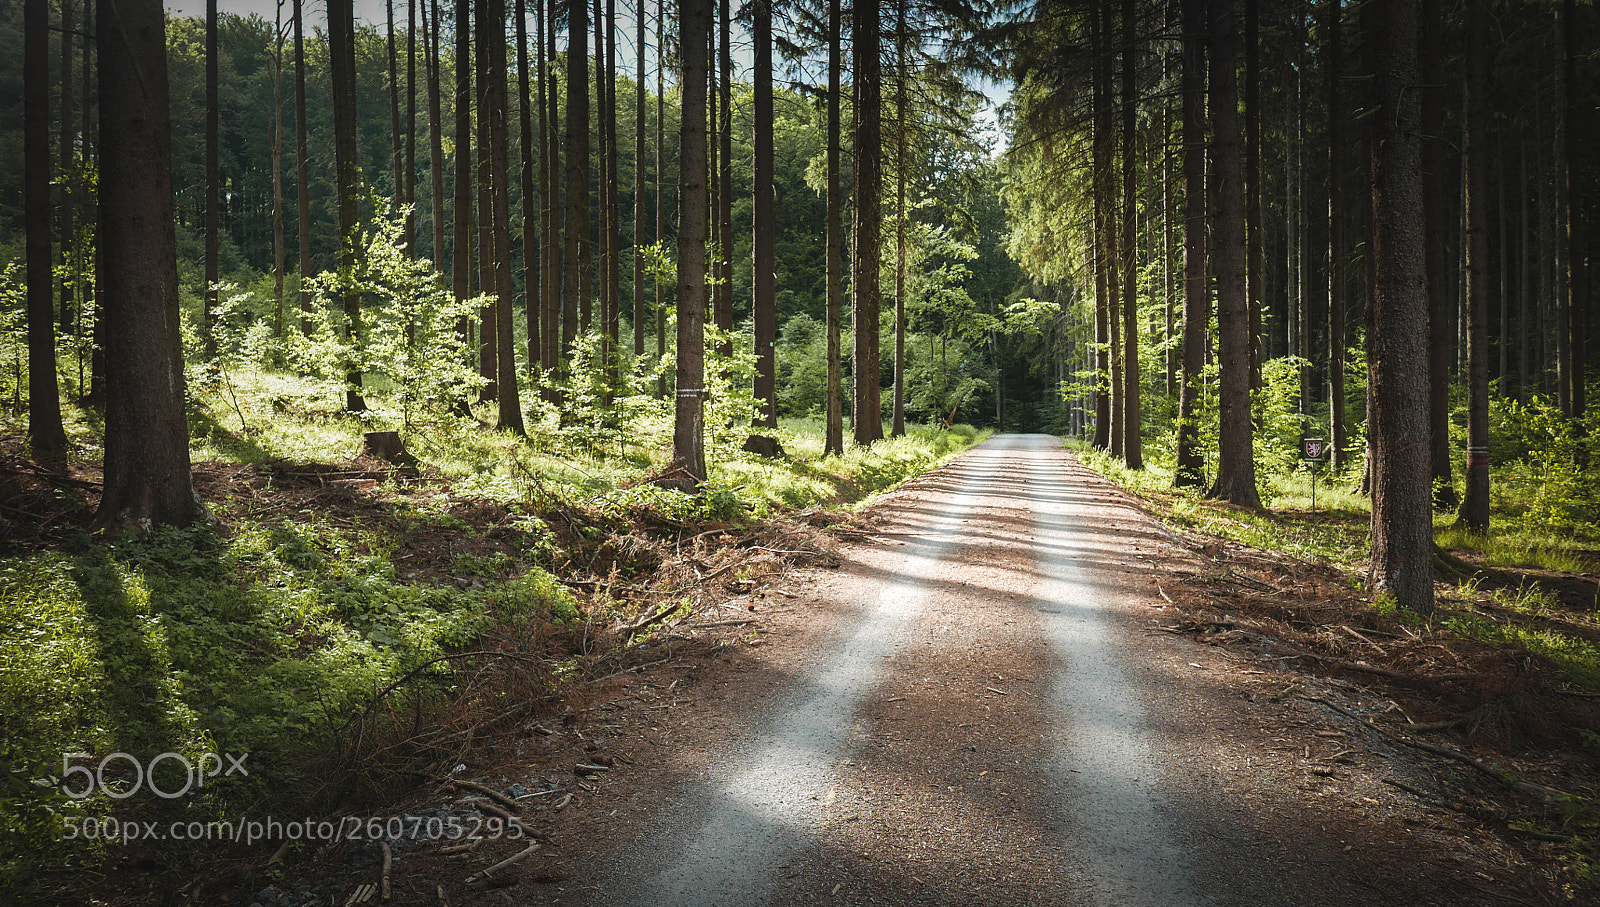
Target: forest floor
(1007, 682)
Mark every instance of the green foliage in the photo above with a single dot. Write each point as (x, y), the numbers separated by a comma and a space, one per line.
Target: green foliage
(13, 336)
(408, 331)
(1279, 423)
(1543, 482)
(1578, 659)
(802, 367)
(187, 642)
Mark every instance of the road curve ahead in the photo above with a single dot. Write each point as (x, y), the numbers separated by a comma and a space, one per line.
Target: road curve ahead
(991, 721)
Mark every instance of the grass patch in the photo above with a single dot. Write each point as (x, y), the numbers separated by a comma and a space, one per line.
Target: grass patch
(1336, 531)
(188, 642)
(1510, 544)
(280, 632)
(1548, 616)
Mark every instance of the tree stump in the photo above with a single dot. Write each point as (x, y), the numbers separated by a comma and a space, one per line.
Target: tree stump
(387, 446)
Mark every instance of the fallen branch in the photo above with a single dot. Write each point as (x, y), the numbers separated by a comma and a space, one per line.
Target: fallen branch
(480, 879)
(1538, 791)
(388, 864)
(428, 664)
(660, 615)
(1477, 812)
(633, 670)
(489, 792)
(1357, 634)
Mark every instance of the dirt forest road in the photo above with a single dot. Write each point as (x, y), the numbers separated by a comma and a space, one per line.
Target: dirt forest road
(977, 707)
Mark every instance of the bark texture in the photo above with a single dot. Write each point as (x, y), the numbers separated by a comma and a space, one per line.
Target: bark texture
(1236, 470)
(1402, 523)
(688, 434)
(147, 477)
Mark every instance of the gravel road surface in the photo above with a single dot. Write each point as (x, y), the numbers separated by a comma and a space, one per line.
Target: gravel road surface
(977, 707)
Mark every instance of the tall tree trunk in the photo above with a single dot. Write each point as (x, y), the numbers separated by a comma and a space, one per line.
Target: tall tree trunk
(88, 298)
(302, 164)
(833, 433)
(147, 477)
(1294, 238)
(613, 154)
(1168, 285)
(867, 74)
(902, 111)
(279, 253)
(725, 182)
(1190, 471)
(602, 61)
(1236, 470)
(565, 298)
(487, 33)
(549, 191)
(1104, 429)
(531, 234)
(688, 432)
(1577, 254)
(461, 248)
(764, 239)
(1475, 504)
(430, 64)
(1431, 54)
(396, 156)
(1525, 266)
(661, 179)
(714, 205)
(1255, 267)
(1106, 234)
(411, 128)
(1132, 448)
(342, 63)
(638, 180)
(1402, 522)
(579, 256)
(499, 157)
(1336, 396)
(45, 432)
(208, 323)
(68, 172)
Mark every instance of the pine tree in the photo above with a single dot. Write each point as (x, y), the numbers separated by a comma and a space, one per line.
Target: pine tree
(147, 474)
(688, 435)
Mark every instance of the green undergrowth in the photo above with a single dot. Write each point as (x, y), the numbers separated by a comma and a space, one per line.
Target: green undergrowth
(1541, 552)
(275, 632)
(1336, 531)
(260, 643)
(263, 417)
